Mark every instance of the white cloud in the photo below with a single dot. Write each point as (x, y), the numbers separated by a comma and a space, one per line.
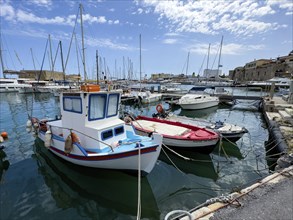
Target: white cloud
(227, 49)
(170, 41)
(241, 17)
(41, 3)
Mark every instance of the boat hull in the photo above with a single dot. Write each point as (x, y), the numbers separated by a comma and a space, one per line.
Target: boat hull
(178, 135)
(123, 160)
(198, 146)
(199, 105)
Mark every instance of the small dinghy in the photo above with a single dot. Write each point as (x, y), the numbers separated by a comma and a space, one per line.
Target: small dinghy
(177, 134)
(91, 134)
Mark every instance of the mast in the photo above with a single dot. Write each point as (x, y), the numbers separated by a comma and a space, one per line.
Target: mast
(140, 62)
(82, 40)
(219, 61)
(1, 58)
(51, 56)
(33, 59)
(187, 63)
(62, 62)
(207, 72)
(97, 62)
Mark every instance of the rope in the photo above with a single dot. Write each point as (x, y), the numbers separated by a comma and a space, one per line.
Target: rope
(139, 186)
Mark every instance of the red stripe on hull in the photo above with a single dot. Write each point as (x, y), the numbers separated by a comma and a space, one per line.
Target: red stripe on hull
(106, 157)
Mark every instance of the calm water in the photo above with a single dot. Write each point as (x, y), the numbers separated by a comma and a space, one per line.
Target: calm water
(37, 185)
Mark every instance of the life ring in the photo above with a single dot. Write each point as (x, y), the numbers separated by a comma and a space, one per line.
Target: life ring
(159, 108)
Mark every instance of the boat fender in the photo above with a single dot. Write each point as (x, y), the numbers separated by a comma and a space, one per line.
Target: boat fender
(68, 145)
(75, 138)
(28, 123)
(48, 137)
(159, 108)
(1, 139)
(128, 120)
(4, 134)
(35, 123)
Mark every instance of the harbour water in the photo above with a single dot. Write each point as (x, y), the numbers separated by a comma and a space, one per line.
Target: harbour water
(37, 185)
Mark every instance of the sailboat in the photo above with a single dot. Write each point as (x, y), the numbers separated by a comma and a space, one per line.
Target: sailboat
(145, 97)
(91, 134)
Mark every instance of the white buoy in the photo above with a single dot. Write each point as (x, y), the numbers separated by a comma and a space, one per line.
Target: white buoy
(1, 139)
(48, 137)
(28, 123)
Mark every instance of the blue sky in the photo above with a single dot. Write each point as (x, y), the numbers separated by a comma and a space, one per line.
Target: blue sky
(169, 30)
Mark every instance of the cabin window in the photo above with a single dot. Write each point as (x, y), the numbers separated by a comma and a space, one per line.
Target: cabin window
(107, 134)
(97, 106)
(72, 104)
(113, 105)
(118, 130)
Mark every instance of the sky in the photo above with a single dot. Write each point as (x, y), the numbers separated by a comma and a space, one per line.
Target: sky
(175, 35)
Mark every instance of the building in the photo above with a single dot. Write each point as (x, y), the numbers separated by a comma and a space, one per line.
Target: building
(264, 69)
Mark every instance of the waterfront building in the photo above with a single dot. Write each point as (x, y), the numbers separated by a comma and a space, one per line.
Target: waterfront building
(264, 69)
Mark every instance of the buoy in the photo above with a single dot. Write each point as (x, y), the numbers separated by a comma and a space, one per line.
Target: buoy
(48, 137)
(159, 108)
(4, 134)
(1, 139)
(75, 138)
(68, 145)
(28, 123)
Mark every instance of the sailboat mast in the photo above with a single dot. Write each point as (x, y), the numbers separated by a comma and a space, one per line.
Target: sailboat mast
(62, 62)
(219, 61)
(208, 56)
(82, 40)
(97, 62)
(187, 63)
(140, 62)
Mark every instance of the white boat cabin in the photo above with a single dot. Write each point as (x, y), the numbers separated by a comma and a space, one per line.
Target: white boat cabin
(92, 114)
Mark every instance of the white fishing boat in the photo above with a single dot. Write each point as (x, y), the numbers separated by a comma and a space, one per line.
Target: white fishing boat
(91, 134)
(198, 101)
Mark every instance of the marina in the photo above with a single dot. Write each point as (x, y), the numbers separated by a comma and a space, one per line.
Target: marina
(103, 116)
(228, 167)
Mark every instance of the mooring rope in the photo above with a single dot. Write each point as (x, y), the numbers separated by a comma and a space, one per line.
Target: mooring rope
(139, 186)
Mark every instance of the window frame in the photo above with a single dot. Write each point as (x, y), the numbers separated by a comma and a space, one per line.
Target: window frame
(103, 132)
(104, 109)
(72, 97)
(117, 104)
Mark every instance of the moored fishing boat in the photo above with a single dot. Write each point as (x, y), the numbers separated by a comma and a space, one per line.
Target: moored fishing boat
(177, 134)
(91, 134)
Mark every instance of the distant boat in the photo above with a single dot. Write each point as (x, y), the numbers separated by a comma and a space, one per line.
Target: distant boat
(197, 101)
(146, 97)
(177, 134)
(12, 85)
(172, 88)
(228, 131)
(91, 134)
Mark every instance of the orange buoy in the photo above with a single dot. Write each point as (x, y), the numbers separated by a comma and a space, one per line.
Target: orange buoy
(4, 134)
(159, 108)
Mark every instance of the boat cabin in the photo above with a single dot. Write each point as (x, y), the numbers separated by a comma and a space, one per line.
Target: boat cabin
(92, 114)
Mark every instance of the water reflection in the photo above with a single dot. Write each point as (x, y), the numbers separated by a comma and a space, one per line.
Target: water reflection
(199, 164)
(201, 113)
(228, 149)
(4, 163)
(109, 192)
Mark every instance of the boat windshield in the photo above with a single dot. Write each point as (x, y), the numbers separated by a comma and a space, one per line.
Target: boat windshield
(103, 105)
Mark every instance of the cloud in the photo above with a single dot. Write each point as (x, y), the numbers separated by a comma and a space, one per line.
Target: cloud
(18, 15)
(41, 3)
(170, 41)
(227, 49)
(240, 17)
